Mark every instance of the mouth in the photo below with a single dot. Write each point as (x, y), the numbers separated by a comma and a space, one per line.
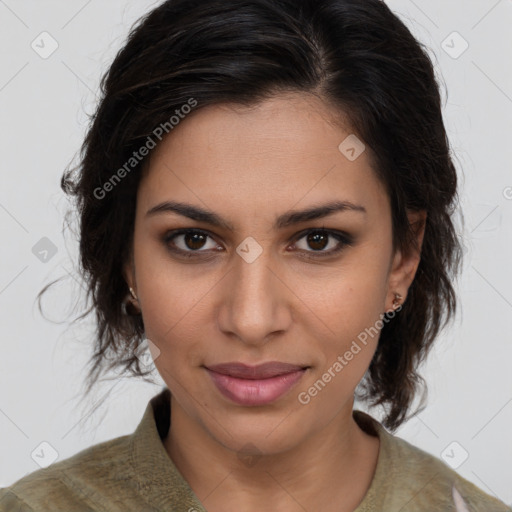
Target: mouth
(255, 385)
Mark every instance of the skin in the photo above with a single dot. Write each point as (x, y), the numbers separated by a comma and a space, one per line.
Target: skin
(250, 165)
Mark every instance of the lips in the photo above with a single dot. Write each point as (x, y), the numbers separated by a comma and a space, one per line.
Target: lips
(261, 371)
(255, 385)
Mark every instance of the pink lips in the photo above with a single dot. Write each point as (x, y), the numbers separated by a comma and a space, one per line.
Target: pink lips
(255, 385)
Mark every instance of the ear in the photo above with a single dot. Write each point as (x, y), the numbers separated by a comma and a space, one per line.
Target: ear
(405, 263)
(129, 272)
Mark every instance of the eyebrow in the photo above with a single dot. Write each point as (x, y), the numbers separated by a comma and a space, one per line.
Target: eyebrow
(284, 220)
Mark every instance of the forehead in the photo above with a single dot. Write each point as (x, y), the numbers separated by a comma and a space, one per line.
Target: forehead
(282, 151)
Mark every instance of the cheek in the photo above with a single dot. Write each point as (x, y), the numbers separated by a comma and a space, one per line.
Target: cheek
(352, 314)
(174, 304)
(168, 290)
(354, 297)
(350, 306)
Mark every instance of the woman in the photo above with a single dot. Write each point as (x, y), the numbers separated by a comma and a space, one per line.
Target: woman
(265, 196)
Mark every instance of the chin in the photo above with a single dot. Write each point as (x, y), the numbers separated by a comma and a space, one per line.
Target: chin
(259, 432)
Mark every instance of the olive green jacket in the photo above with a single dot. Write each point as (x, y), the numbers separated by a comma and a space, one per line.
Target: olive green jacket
(135, 473)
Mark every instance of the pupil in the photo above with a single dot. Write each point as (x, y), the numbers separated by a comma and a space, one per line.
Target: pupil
(314, 238)
(192, 239)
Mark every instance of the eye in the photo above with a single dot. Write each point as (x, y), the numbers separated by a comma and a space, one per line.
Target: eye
(316, 241)
(189, 241)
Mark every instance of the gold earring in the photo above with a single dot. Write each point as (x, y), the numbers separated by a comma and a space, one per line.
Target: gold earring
(396, 300)
(133, 293)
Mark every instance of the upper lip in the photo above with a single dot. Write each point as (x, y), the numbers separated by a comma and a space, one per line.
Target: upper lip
(261, 371)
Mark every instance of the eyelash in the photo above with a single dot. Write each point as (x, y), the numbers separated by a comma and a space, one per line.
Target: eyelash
(344, 240)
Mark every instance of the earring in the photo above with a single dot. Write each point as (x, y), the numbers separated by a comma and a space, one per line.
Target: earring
(396, 300)
(133, 293)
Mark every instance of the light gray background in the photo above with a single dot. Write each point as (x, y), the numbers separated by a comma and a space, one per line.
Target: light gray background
(43, 106)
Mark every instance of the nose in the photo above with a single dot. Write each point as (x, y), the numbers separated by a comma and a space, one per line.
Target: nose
(255, 301)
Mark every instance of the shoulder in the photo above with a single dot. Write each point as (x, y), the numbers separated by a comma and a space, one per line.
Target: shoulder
(117, 475)
(75, 483)
(408, 478)
(435, 484)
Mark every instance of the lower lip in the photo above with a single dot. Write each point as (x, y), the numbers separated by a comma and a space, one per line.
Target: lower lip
(255, 392)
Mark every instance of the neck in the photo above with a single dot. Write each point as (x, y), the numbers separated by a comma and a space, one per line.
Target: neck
(330, 470)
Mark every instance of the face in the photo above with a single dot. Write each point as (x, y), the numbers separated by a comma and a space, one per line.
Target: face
(255, 281)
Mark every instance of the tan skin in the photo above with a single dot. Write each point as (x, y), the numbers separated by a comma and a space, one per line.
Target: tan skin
(249, 166)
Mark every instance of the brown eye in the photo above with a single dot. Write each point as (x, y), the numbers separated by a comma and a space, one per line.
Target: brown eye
(194, 240)
(317, 240)
(320, 242)
(189, 241)
(315, 243)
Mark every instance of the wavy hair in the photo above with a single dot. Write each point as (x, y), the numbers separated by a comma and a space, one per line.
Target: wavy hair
(357, 56)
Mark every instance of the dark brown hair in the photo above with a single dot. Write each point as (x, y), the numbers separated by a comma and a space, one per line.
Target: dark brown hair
(354, 54)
